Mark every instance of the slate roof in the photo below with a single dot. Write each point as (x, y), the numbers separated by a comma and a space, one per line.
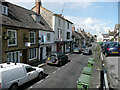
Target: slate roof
(111, 33)
(86, 36)
(75, 34)
(21, 17)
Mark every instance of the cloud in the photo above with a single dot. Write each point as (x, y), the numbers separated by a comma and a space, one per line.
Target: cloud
(92, 25)
(64, 0)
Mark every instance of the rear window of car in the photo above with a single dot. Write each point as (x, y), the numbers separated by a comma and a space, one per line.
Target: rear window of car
(86, 49)
(52, 54)
(113, 45)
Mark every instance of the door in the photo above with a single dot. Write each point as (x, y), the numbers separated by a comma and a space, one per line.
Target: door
(41, 53)
(24, 56)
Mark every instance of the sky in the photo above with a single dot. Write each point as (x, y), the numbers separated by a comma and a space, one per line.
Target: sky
(93, 16)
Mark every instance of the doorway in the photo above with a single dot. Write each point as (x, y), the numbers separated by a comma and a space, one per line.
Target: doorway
(41, 53)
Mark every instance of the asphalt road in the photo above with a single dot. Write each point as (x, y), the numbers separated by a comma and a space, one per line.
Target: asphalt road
(113, 67)
(61, 77)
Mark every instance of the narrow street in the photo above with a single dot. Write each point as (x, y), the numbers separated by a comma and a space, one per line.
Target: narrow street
(61, 77)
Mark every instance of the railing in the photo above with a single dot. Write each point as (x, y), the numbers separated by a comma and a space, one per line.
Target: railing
(104, 81)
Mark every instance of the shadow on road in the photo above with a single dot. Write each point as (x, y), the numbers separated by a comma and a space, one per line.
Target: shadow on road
(32, 82)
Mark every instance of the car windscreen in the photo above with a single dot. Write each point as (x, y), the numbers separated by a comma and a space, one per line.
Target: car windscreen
(86, 50)
(112, 45)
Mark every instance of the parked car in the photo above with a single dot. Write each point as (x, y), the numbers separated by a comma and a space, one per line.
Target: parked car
(103, 45)
(13, 75)
(111, 48)
(87, 52)
(77, 50)
(57, 58)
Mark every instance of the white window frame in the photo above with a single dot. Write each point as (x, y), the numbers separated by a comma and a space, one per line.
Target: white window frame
(34, 37)
(6, 8)
(15, 58)
(30, 53)
(12, 37)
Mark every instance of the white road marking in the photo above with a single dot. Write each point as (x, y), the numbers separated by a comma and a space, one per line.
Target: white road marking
(39, 81)
(59, 68)
(54, 72)
(48, 76)
(31, 87)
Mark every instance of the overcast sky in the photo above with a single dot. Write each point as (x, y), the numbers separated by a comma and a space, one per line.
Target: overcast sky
(92, 15)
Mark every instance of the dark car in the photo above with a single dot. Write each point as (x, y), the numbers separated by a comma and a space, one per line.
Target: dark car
(57, 58)
(77, 50)
(111, 48)
(87, 52)
(103, 45)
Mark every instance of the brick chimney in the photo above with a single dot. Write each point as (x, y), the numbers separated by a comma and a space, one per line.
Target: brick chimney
(38, 4)
(83, 30)
(79, 30)
(73, 28)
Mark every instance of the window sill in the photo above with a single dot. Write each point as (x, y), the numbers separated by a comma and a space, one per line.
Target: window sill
(12, 45)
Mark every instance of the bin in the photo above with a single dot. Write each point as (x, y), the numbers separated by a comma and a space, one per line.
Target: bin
(90, 63)
(87, 71)
(83, 82)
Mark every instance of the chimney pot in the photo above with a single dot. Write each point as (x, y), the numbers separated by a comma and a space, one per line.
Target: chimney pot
(73, 28)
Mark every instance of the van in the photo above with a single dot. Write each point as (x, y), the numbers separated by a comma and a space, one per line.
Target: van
(13, 75)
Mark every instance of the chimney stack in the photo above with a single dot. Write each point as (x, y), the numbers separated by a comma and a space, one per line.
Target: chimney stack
(80, 30)
(38, 4)
(73, 28)
(83, 30)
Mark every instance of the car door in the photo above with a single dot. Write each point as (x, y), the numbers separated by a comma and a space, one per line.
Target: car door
(31, 72)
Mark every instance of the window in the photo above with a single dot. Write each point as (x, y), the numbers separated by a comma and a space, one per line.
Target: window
(48, 37)
(13, 57)
(59, 22)
(32, 53)
(32, 37)
(48, 50)
(59, 33)
(0, 8)
(68, 35)
(13, 38)
(29, 69)
(67, 25)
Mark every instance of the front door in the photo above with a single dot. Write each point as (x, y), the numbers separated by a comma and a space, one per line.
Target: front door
(24, 56)
(41, 53)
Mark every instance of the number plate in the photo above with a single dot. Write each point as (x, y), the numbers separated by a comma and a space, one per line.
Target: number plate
(48, 58)
(114, 52)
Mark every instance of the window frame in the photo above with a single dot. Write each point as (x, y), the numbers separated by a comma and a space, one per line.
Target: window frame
(30, 53)
(49, 37)
(15, 57)
(68, 37)
(68, 26)
(12, 37)
(32, 37)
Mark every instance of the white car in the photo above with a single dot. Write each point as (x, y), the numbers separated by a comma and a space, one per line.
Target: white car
(13, 75)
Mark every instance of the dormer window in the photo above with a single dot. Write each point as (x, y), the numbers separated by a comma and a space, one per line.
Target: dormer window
(3, 9)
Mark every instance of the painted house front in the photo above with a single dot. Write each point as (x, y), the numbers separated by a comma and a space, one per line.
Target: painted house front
(46, 44)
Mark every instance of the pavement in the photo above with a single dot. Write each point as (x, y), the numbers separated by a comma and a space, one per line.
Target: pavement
(113, 67)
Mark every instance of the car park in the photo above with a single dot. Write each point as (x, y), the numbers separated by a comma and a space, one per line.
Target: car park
(111, 48)
(77, 50)
(57, 58)
(12, 75)
(87, 52)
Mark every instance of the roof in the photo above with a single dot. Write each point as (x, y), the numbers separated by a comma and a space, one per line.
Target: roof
(75, 34)
(21, 17)
(105, 35)
(58, 15)
(86, 36)
(111, 33)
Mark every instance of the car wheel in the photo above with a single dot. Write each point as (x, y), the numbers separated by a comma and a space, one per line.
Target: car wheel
(14, 87)
(40, 76)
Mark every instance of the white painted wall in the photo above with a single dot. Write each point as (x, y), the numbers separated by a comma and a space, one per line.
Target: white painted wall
(100, 38)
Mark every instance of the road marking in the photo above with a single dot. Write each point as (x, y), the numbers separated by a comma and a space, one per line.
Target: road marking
(31, 87)
(59, 68)
(39, 81)
(47, 76)
(54, 72)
